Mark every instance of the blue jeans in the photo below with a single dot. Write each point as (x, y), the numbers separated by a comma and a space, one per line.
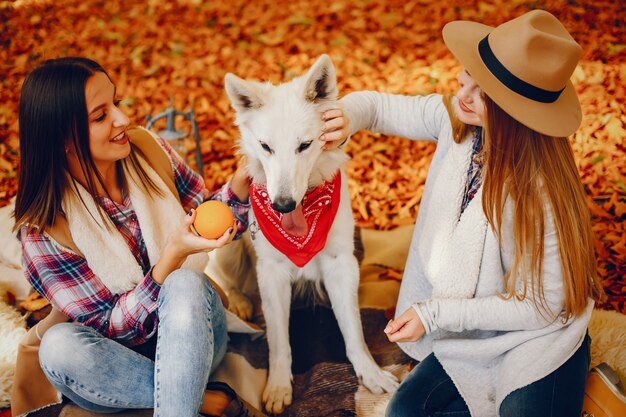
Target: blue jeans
(101, 375)
(429, 391)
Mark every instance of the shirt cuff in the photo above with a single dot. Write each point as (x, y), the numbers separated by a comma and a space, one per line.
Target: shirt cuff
(421, 308)
(147, 292)
(240, 209)
(232, 197)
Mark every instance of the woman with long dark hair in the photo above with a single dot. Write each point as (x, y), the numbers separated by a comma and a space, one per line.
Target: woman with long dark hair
(103, 212)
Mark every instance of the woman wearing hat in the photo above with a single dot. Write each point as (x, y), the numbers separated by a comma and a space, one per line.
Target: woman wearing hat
(500, 280)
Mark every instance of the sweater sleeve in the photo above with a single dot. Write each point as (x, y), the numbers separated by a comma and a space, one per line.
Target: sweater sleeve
(413, 117)
(499, 314)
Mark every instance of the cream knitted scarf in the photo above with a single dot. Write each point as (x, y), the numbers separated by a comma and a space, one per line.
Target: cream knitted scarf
(105, 250)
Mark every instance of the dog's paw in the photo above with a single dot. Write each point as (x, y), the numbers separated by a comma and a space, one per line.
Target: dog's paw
(277, 392)
(277, 397)
(240, 305)
(379, 381)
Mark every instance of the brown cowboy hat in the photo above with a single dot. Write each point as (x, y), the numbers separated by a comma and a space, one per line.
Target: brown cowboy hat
(524, 65)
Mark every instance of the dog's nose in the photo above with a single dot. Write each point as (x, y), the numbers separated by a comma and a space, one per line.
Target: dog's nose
(284, 205)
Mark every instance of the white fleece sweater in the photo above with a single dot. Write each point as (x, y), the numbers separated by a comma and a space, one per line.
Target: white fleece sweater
(456, 266)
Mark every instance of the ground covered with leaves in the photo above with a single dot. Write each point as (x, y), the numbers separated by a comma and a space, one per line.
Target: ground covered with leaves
(155, 49)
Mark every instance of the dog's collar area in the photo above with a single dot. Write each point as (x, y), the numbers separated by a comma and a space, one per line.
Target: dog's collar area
(254, 229)
(319, 207)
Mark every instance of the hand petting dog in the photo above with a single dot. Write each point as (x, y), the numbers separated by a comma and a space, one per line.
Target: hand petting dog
(336, 129)
(240, 182)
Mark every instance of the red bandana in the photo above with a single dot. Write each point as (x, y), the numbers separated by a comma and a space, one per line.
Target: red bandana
(301, 234)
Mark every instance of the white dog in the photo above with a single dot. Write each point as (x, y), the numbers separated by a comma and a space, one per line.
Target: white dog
(301, 221)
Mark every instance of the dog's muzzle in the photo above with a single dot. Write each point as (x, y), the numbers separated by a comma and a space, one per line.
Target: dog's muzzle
(284, 205)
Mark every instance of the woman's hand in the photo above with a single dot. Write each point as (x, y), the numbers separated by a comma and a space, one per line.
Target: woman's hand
(184, 242)
(240, 183)
(406, 328)
(336, 129)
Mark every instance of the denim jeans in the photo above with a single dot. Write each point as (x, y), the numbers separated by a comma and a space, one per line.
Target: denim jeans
(429, 391)
(101, 375)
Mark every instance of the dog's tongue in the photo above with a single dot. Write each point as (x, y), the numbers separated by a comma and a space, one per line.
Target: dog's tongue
(294, 223)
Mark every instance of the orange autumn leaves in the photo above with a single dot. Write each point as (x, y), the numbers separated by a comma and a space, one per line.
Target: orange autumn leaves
(153, 49)
(600, 150)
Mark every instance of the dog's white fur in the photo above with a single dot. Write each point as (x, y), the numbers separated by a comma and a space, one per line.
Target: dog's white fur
(274, 122)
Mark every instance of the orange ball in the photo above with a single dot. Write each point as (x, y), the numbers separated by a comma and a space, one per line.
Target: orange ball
(213, 218)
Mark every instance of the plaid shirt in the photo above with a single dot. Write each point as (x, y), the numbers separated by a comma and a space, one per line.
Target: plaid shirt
(474, 171)
(70, 285)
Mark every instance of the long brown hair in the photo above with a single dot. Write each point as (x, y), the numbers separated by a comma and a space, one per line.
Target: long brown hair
(53, 112)
(539, 175)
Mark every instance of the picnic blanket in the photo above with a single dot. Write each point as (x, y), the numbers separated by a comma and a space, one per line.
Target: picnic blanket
(324, 380)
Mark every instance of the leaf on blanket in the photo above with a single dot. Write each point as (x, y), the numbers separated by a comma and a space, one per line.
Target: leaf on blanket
(7, 296)
(34, 302)
(390, 313)
(391, 273)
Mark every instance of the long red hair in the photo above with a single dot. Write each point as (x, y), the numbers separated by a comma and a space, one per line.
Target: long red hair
(538, 173)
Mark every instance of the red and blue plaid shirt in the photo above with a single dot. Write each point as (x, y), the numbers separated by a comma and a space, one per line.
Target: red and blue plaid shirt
(66, 280)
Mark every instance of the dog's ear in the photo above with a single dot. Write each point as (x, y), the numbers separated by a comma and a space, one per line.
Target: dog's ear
(243, 94)
(321, 81)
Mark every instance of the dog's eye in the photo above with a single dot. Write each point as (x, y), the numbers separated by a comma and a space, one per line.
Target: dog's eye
(304, 146)
(266, 148)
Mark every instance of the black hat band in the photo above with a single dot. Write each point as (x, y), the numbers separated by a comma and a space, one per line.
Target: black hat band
(515, 84)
